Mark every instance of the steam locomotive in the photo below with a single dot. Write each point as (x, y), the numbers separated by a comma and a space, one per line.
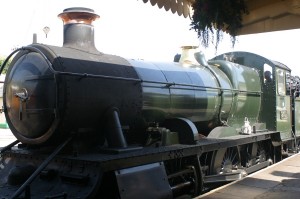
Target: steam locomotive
(93, 125)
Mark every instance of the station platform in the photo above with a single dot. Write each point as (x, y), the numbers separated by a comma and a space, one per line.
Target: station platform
(281, 180)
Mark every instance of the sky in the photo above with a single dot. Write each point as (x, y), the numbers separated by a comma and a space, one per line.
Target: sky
(132, 29)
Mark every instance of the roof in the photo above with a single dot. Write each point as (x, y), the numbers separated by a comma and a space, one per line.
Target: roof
(181, 7)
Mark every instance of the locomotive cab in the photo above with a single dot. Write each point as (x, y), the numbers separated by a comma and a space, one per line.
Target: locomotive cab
(279, 93)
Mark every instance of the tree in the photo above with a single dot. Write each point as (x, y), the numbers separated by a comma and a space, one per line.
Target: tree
(6, 66)
(212, 17)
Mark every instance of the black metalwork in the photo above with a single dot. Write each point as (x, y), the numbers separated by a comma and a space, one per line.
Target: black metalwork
(26, 185)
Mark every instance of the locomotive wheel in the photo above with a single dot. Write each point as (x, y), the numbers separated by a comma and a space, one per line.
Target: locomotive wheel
(294, 146)
(297, 148)
(226, 160)
(261, 153)
(252, 154)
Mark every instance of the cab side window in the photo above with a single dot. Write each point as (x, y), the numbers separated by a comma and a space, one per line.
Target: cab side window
(281, 82)
(267, 73)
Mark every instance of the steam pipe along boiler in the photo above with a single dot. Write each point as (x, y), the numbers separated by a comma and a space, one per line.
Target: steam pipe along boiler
(93, 125)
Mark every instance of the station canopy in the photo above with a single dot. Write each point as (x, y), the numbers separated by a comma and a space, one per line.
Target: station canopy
(264, 15)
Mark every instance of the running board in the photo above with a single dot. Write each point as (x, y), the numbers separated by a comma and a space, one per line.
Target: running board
(257, 167)
(237, 175)
(227, 177)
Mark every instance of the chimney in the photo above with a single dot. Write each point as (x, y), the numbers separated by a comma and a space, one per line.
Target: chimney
(78, 28)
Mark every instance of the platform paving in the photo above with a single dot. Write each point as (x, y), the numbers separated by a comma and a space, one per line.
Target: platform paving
(279, 181)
